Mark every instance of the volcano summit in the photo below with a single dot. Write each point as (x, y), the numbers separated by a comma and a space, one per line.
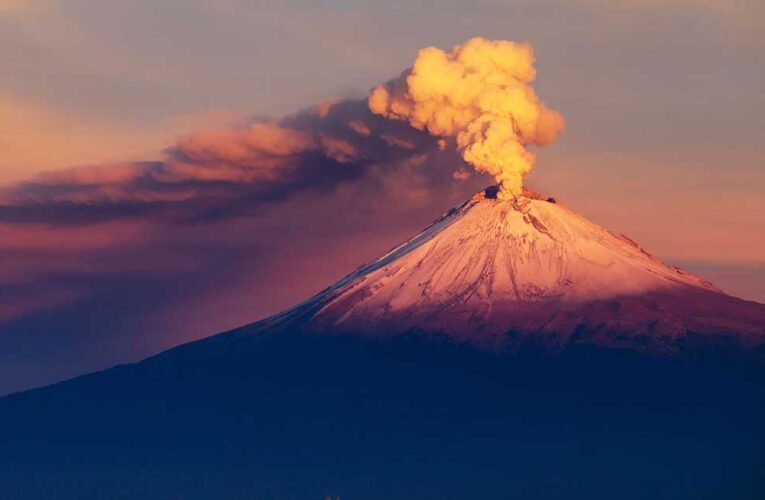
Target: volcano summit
(512, 349)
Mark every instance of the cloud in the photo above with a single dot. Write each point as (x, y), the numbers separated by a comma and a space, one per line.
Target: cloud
(232, 171)
(36, 138)
(479, 94)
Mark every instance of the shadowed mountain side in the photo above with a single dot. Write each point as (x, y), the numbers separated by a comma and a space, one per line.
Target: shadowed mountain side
(288, 415)
(685, 323)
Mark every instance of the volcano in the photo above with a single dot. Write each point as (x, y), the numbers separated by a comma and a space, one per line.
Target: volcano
(512, 349)
(529, 272)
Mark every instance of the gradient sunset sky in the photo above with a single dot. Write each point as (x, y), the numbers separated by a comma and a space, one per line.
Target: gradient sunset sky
(664, 137)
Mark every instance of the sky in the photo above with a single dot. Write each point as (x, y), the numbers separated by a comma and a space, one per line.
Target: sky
(174, 169)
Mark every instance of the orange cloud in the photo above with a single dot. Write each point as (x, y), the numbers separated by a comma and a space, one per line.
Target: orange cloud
(258, 151)
(480, 94)
(36, 138)
(338, 149)
(93, 174)
(359, 127)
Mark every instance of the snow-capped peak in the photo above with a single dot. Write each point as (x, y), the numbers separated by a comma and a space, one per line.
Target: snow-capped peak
(529, 265)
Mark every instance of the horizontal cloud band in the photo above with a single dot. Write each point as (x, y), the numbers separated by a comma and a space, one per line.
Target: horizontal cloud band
(220, 172)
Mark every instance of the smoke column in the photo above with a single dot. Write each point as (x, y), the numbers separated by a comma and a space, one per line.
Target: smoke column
(479, 94)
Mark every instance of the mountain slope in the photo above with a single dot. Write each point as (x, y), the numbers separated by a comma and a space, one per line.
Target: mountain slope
(502, 274)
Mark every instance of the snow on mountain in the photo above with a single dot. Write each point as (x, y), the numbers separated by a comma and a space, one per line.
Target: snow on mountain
(530, 270)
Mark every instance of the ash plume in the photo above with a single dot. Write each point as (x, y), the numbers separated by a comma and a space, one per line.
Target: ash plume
(479, 94)
(232, 171)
